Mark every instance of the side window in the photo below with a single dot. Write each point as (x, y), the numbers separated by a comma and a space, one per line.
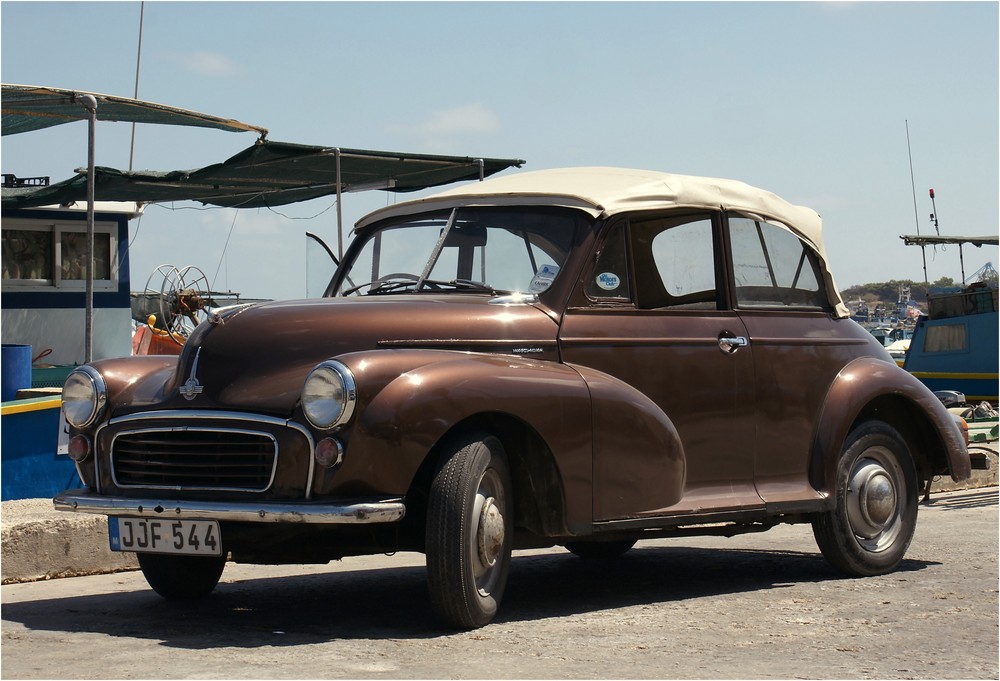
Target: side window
(610, 280)
(40, 256)
(28, 255)
(945, 338)
(772, 267)
(73, 255)
(675, 262)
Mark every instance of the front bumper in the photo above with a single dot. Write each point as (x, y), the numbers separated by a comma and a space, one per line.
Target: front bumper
(356, 513)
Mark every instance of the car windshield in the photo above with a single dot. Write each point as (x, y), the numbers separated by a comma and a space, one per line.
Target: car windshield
(491, 250)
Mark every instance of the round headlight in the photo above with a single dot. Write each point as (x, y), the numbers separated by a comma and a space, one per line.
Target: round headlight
(328, 395)
(83, 397)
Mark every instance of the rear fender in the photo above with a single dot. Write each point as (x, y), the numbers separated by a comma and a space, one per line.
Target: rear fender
(639, 461)
(872, 388)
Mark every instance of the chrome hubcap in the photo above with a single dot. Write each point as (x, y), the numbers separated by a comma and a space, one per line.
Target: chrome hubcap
(873, 502)
(491, 533)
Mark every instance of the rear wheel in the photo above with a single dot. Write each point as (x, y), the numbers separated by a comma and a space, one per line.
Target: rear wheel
(469, 532)
(181, 577)
(871, 526)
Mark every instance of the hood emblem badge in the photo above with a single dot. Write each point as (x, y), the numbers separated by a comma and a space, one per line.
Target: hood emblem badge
(192, 387)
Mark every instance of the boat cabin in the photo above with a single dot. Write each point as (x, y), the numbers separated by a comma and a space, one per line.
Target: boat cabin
(44, 281)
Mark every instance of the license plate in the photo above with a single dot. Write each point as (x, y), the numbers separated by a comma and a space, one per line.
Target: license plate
(153, 535)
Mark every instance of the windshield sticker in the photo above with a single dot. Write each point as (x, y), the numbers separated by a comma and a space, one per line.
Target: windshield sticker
(543, 278)
(608, 281)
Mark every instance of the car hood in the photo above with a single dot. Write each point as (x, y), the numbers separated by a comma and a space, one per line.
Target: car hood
(257, 357)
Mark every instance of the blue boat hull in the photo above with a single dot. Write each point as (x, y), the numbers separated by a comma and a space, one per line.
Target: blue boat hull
(957, 353)
(31, 466)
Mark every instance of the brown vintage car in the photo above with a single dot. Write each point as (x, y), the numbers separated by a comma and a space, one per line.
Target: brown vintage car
(583, 357)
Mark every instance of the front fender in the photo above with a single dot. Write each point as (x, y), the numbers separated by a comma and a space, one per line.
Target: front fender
(136, 382)
(408, 400)
(869, 387)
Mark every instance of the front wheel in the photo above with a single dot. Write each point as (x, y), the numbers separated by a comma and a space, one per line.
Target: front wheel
(871, 526)
(181, 577)
(469, 532)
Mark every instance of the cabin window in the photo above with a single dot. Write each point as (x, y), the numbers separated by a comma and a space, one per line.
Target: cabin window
(39, 256)
(675, 262)
(73, 256)
(945, 338)
(28, 255)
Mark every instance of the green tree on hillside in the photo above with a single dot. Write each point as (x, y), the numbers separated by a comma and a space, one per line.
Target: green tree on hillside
(888, 291)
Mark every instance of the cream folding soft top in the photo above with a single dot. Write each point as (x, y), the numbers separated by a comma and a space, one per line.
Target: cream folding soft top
(603, 192)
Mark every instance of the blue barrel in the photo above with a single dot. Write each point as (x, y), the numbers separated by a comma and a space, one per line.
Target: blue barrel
(15, 370)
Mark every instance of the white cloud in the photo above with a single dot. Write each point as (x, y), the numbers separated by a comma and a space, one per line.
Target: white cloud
(204, 63)
(443, 126)
(471, 118)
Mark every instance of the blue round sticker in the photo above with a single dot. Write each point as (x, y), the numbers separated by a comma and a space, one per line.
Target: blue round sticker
(608, 281)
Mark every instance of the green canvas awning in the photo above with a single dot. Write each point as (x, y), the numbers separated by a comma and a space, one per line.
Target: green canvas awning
(267, 174)
(32, 107)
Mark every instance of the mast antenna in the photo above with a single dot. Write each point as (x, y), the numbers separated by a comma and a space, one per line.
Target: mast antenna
(138, 59)
(913, 188)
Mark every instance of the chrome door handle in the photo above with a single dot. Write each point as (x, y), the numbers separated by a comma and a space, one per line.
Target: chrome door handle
(730, 344)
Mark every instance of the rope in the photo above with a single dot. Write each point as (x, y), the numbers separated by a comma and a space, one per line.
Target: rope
(224, 248)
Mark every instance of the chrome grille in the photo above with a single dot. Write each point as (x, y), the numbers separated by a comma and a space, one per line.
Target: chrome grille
(194, 459)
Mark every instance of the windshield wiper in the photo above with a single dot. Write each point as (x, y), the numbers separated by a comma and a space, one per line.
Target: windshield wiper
(469, 285)
(390, 286)
(379, 287)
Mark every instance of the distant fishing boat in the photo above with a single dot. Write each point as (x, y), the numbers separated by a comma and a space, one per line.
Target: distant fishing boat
(955, 346)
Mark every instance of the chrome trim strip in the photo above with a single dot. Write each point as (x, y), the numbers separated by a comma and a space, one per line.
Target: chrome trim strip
(202, 414)
(488, 345)
(514, 299)
(196, 414)
(188, 429)
(358, 513)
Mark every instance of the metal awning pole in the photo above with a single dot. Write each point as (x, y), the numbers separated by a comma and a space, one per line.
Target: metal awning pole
(340, 214)
(90, 104)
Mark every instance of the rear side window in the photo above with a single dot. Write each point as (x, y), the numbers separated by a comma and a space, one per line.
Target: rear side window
(772, 267)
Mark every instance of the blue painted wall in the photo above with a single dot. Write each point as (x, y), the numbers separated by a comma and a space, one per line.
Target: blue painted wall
(29, 465)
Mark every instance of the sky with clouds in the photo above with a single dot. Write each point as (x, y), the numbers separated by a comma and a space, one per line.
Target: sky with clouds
(809, 100)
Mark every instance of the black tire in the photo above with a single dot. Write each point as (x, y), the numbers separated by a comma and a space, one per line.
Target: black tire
(600, 550)
(469, 532)
(871, 526)
(181, 577)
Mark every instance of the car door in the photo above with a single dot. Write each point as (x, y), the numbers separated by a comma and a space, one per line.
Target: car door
(652, 313)
(799, 347)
